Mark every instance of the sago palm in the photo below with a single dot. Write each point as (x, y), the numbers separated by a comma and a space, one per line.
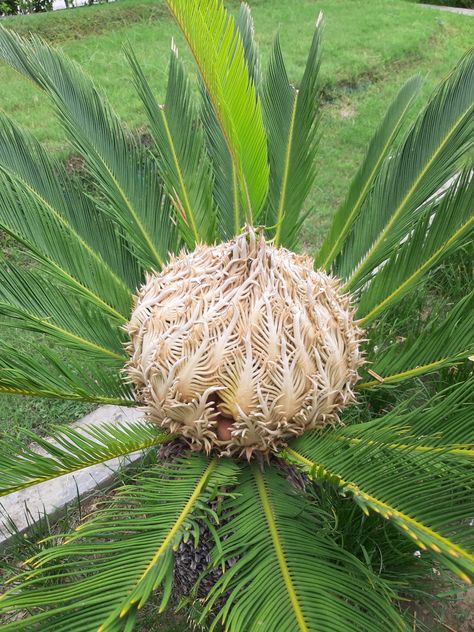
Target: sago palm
(171, 283)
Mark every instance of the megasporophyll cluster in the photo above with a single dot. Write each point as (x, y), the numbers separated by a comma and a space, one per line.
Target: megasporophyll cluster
(239, 346)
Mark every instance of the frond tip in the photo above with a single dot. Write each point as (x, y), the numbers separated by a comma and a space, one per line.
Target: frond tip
(217, 47)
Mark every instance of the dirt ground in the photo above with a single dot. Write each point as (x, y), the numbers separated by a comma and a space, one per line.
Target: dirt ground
(441, 616)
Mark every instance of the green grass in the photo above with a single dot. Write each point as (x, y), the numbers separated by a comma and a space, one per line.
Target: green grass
(360, 39)
(31, 413)
(369, 51)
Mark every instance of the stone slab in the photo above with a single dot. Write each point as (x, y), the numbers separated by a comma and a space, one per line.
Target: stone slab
(50, 498)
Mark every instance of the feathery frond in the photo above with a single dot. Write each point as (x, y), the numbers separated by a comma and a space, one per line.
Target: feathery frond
(226, 186)
(26, 302)
(291, 119)
(71, 450)
(127, 176)
(427, 158)
(237, 346)
(219, 53)
(43, 373)
(417, 481)
(124, 552)
(443, 343)
(443, 426)
(115, 272)
(447, 224)
(183, 162)
(277, 583)
(379, 148)
(225, 182)
(49, 240)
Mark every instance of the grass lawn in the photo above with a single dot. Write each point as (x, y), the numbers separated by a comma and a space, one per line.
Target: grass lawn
(370, 49)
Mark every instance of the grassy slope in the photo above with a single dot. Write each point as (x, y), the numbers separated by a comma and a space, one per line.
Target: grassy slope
(358, 41)
(367, 56)
(370, 48)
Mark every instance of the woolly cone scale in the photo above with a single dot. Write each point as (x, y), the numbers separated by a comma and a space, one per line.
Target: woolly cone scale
(240, 346)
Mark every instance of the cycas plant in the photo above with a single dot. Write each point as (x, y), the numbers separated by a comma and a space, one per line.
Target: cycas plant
(244, 355)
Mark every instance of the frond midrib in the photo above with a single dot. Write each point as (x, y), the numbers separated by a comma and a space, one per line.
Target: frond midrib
(400, 518)
(426, 264)
(45, 322)
(340, 240)
(171, 533)
(278, 547)
(62, 220)
(149, 443)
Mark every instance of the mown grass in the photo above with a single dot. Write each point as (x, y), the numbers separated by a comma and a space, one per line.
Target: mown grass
(368, 54)
(370, 50)
(359, 41)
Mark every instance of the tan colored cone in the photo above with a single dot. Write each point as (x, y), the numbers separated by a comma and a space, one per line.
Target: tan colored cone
(242, 345)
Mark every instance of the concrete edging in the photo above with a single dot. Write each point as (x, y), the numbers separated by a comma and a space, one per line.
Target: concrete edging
(51, 497)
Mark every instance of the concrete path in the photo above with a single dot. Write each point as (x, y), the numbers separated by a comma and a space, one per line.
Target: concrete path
(51, 497)
(450, 9)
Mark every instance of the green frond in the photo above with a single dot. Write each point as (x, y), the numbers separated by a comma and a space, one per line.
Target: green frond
(27, 303)
(43, 373)
(276, 582)
(379, 148)
(112, 272)
(219, 54)
(245, 27)
(49, 239)
(226, 186)
(443, 427)
(183, 163)
(291, 119)
(428, 157)
(125, 552)
(429, 351)
(448, 224)
(126, 175)
(405, 467)
(71, 450)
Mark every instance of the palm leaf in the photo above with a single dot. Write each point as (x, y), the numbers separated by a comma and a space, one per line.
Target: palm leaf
(48, 239)
(34, 169)
(421, 483)
(184, 165)
(43, 373)
(125, 552)
(378, 149)
(427, 158)
(291, 118)
(280, 584)
(126, 176)
(219, 53)
(70, 450)
(447, 225)
(245, 27)
(431, 430)
(226, 186)
(26, 303)
(429, 351)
